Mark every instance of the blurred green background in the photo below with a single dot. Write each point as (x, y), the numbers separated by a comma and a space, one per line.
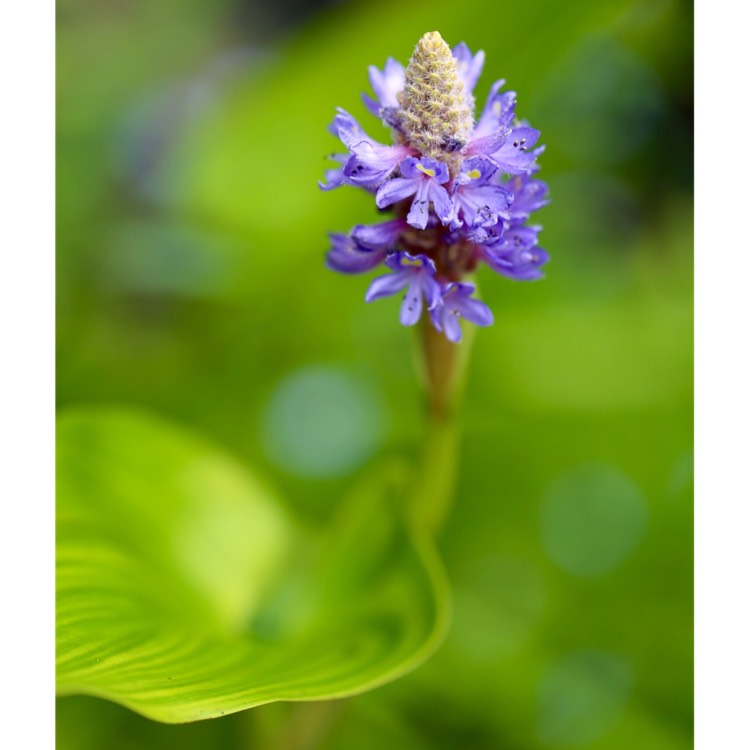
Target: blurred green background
(191, 237)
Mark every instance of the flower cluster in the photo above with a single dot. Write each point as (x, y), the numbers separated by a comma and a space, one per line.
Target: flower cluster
(460, 191)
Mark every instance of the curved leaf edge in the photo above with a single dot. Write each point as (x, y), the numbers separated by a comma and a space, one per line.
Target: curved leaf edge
(426, 551)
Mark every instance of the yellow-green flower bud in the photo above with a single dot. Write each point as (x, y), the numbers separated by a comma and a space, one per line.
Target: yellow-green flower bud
(435, 115)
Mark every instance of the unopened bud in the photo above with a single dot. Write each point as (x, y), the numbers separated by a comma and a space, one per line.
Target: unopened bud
(435, 112)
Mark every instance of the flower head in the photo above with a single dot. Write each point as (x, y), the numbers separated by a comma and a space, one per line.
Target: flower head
(461, 191)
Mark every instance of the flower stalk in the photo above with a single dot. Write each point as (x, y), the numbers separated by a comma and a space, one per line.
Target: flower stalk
(460, 191)
(443, 368)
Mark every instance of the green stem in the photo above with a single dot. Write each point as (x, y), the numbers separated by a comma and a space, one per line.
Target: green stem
(443, 371)
(436, 478)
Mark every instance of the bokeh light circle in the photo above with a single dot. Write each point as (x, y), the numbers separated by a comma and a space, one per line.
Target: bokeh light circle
(322, 422)
(591, 519)
(581, 696)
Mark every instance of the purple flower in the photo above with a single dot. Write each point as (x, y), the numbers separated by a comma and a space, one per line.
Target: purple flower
(424, 179)
(518, 264)
(469, 66)
(514, 156)
(370, 162)
(498, 113)
(487, 236)
(529, 195)
(386, 85)
(378, 236)
(417, 274)
(494, 135)
(334, 177)
(476, 202)
(348, 256)
(517, 254)
(457, 303)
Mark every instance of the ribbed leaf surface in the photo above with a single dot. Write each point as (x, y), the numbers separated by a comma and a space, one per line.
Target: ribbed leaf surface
(185, 591)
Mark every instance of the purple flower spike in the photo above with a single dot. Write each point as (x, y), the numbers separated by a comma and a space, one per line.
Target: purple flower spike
(423, 178)
(458, 190)
(417, 274)
(457, 303)
(347, 256)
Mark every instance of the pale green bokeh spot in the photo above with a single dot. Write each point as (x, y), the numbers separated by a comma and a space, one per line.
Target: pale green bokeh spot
(581, 697)
(322, 422)
(591, 519)
(681, 478)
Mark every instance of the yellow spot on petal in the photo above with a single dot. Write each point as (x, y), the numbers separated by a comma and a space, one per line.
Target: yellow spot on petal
(474, 173)
(412, 262)
(428, 172)
(496, 108)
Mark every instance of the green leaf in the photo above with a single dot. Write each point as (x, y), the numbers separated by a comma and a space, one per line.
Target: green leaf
(185, 590)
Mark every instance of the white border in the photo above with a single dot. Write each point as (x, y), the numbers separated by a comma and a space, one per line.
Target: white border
(722, 273)
(27, 150)
(722, 373)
